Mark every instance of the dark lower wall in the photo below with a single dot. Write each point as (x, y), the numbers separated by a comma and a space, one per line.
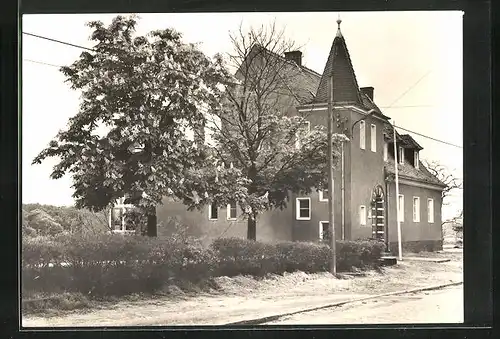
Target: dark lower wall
(410, 230)
(308, 230)
(417, 246)
(271, 226)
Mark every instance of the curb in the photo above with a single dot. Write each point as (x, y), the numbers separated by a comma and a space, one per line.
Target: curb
(259, 321)
(433, 260)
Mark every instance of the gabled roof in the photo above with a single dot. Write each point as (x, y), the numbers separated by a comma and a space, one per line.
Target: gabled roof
(408, 171)
(303, 84)
(339, 65)
(409, 142)
(403, 140)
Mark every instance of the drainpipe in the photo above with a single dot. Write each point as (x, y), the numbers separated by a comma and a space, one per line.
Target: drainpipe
(343, 192)
(386, 220)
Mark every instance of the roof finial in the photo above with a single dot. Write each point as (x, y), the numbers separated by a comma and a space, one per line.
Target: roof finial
(339, 34)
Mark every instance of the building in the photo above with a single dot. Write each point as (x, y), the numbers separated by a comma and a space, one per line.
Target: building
(364, 185)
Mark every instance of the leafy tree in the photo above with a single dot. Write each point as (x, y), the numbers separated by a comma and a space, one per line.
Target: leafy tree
(262, 152)
(139, 95)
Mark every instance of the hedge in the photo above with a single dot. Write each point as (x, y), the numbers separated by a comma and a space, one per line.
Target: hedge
(113, 264)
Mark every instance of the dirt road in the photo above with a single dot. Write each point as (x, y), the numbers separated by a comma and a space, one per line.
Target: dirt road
(439, 306)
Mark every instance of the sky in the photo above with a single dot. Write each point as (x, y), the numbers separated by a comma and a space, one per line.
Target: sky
(412, 59)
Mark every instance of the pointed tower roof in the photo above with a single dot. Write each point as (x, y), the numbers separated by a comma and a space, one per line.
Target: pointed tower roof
(345, 85)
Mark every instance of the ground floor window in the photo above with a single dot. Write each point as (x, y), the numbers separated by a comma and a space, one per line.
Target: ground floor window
(430, 210)
(323, 195)
(324, 230)
(119, 220)
(213, 212)
(362, 215)
(401, 207)
(303, 208)
(416, 209)
(231, 211)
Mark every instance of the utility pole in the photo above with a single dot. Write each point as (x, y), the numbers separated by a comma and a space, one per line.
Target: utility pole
(398, 217)
(333, 267)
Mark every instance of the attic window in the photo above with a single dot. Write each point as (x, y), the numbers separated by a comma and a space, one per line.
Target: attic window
(415, 159)
(401, 155)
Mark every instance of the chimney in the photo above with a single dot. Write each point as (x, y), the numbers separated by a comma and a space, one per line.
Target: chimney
(295, 56)
(368, 91)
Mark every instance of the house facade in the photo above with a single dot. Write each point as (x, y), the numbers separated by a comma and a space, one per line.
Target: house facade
(364, 185)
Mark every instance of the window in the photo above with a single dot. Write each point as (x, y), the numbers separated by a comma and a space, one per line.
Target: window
(231, 211)
(430, 210)
(303, 208)
(386, 151)
(118, 217)
(302, 131)
(213, 212)
(373, 136)
(362, 215)
(415, 159)
(401, 155)
(416, 209)
(362, 134)
(324, 230)
(401, 208)
(323, 195)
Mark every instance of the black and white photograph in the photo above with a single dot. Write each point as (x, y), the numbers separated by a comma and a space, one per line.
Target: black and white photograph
(263, 168)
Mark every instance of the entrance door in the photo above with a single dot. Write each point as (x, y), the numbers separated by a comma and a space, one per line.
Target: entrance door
(378, 214)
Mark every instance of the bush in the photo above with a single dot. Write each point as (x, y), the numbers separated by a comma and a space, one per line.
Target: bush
(246, 257)
(241, 256)
(114, 264)
(111, 264)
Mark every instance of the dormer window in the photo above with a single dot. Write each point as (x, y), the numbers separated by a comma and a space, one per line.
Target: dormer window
(401, 154)
(416, 159)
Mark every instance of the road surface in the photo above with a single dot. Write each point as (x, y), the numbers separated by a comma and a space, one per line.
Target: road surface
(439, 306)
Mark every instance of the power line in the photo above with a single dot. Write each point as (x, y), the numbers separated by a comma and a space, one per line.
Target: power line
(58, 41)
(386, 107)
(42, 63)
(409, 89)
(428, 137)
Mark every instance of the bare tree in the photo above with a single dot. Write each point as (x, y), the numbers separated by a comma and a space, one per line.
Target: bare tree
(443, 174)
(264, 151)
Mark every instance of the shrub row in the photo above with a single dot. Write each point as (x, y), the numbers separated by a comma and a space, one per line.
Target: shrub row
(241, 256)
(117, 265)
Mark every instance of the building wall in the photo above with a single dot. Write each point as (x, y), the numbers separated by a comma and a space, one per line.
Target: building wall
(366, 172)
(413, 233)
(271, 226)
(308, 230)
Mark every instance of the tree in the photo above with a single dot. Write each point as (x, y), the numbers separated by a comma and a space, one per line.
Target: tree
(262, 152)
(443, 174)
(42, 223)
(144, 91)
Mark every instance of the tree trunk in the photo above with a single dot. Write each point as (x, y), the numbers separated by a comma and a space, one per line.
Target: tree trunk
(151, 226)
(252, 229)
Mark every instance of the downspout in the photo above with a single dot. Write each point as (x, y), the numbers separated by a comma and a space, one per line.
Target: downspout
(343, 192)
